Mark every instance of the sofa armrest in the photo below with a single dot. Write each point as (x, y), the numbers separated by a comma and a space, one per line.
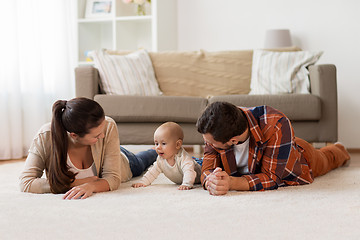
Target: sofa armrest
(86, 81)
(323, 85)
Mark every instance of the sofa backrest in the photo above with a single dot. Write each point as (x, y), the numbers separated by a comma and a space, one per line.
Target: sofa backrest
(201, 73)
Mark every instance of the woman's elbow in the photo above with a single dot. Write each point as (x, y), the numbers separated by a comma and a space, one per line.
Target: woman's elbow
(23, 186)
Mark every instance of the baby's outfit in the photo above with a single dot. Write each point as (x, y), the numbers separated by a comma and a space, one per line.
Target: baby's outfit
(186, 171)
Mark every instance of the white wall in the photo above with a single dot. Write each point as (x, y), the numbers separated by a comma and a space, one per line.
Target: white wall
(328, 25)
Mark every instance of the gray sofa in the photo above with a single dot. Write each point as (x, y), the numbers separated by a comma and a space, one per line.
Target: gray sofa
(313, 116)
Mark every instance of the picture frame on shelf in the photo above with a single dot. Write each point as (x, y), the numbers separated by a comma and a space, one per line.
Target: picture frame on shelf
(99, 8)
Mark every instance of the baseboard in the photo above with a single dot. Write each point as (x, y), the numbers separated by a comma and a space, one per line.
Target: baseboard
(353, 150)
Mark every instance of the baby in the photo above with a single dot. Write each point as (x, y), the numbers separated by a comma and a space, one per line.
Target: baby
(172, 160)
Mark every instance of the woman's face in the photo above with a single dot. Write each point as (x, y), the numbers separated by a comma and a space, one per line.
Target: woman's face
(93, 136)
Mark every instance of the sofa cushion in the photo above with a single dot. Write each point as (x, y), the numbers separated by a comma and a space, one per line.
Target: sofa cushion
(152, 108)
(201, 73)
(130, 74)
(297, 107)
(281, 72)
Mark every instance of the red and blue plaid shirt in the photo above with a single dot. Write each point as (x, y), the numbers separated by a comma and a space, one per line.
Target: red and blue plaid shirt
(274, 158)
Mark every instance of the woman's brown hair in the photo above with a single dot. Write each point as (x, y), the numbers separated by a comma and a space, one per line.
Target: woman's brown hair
(78, 116)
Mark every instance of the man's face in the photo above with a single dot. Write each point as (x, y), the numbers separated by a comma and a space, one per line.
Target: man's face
(233, 141)
(210, 140)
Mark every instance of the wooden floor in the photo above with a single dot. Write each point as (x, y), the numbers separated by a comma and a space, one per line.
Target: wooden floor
(11, 161)
(355, 158)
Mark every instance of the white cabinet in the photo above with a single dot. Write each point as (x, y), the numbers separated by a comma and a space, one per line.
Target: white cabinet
(125, 30)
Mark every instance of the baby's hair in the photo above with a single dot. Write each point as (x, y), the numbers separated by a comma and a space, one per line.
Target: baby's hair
(175, 128)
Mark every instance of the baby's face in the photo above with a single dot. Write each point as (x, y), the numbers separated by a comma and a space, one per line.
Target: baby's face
(165, 144)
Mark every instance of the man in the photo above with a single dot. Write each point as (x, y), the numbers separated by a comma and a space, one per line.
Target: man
(255, 149)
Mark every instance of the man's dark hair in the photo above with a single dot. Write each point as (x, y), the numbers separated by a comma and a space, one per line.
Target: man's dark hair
(223, 121)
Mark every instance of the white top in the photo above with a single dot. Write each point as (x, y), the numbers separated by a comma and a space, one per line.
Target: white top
(82, 173)
(186, 171)
(242, 157)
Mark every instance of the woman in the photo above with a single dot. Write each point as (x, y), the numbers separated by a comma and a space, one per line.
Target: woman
(80, 153)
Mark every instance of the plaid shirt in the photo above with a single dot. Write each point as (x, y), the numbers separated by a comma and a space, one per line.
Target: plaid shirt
(274, 158)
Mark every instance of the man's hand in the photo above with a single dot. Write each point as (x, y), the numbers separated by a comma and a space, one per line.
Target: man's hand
(218, 182)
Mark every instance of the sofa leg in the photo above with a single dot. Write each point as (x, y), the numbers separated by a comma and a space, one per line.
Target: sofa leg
(195, 150)
(319, 145)
(198, 150)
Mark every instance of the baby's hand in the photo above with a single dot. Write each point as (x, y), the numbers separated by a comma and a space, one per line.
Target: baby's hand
(183, 187)
(137, 185)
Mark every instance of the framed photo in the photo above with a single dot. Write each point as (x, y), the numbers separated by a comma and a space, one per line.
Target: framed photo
(98, 8)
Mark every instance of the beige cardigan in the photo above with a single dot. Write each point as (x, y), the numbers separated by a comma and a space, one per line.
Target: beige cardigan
(110, 164)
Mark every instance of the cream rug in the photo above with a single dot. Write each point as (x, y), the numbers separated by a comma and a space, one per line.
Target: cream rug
(327, 209)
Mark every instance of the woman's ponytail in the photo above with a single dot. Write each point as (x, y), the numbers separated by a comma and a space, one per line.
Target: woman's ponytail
(77, 116)
(59, 175)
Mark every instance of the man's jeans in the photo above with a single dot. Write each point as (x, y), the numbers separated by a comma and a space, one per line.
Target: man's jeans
(141, 161)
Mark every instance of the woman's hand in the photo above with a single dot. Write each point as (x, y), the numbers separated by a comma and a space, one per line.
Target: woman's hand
(80, 192)
(79, 182)
(87, 189)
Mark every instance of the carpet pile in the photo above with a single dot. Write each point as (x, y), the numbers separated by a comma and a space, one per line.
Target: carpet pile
(329, 208)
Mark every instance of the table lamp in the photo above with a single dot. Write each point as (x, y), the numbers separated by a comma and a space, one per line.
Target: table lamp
(277, 38)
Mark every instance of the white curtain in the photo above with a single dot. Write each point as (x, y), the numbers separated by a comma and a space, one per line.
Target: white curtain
(38, 56)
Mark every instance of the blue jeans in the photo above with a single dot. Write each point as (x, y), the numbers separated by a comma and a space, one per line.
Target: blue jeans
(140, 161)
(198, 160)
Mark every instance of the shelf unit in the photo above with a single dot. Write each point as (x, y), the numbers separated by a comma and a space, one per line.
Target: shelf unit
(124, 30)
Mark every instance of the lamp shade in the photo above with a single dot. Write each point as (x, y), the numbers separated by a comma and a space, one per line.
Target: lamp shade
(275, 38)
